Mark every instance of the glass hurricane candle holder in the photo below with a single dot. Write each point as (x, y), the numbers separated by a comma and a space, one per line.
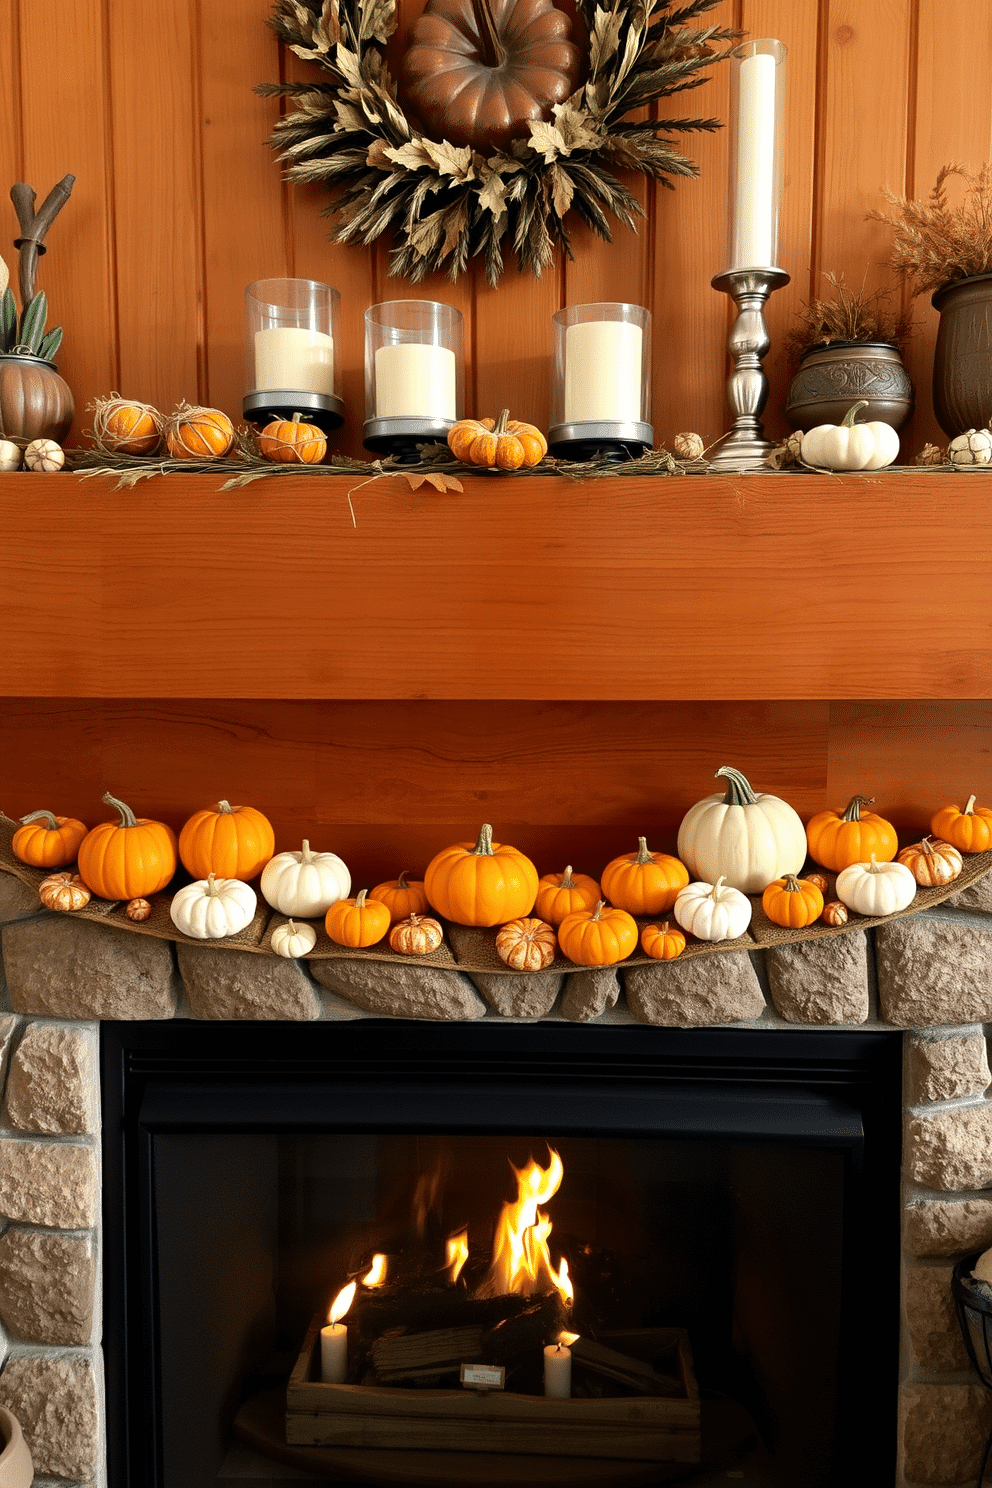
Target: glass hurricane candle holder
(290, 363)
(601, 392)
(414, 375)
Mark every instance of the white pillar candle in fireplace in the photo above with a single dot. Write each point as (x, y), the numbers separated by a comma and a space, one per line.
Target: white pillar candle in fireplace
(755, 193)
(334, 1339)
(603, 372)
(557, 1371)
(415, 380)
(293, 358)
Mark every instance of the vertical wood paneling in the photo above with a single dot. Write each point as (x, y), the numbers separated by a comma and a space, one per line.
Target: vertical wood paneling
(10, 124)
(513, 342)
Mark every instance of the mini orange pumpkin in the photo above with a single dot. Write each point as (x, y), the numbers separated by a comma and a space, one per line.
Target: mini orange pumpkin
(970, 830)
(598, 937)
(932, 862)
(290, 442)
(834, 913)
(127, 427)
(527, 944)
(643, 882)
(47, 841)
(127, 859)
(416, 935)
(792, 902)
(836, 839)
(357, 922)
(198, 433)
(485, 884)
(560, 894)
(64, 892)
(227, 841)
(500, 444)
(402, 897)
(662, 943)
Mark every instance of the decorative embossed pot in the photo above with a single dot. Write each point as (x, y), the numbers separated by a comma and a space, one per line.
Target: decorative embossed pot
(16, 1468)
(962, 358)
(35, 402)
(832, 377)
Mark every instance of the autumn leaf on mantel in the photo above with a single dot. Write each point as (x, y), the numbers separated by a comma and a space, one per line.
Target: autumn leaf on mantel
(434, 478)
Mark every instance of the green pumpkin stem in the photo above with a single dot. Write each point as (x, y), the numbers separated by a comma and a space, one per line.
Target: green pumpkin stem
(643, 856)
(45, 816)
(484, 847)
(739, 792)
(854, 805)
(128, 818)
(852, 413)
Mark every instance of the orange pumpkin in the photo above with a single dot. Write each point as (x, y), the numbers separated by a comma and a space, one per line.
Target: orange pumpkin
(357, 922)
(792, 902)
(416, 935)
(402, 897)
(485, 884)
(527, 944)
(228, 841)
(835, 913)
(661, 943)
(644, 883)
(498, 444)
(127, 859)
(932, 862)
(290, 442)
(47, 841)
(560, 894)
(836, 839)
(64, 892)
(970, 830)
(597, 937)
(198, 433)
(127, 427)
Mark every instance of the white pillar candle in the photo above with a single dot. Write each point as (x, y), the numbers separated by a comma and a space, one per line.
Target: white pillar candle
(415, 380)
(295, 359)
(754, 197)
(334, 1354)
(557, 1371)
(603, 372)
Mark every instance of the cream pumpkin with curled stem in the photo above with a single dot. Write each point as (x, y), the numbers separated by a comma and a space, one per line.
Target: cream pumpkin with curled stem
(744, 837)
(527, 944)
(876, 889)
(304, 884)
(213, 908)
(713, 911)
(292, 941)
(851, 446)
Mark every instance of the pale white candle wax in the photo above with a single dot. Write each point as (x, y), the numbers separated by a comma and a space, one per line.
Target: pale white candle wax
(334, 1354)
(557, 1371)
(603, 372)
(295, 359)
(415, 380)
(754, 197)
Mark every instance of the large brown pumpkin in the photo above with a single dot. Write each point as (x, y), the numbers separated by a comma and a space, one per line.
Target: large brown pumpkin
(35, 403)
(475, 71)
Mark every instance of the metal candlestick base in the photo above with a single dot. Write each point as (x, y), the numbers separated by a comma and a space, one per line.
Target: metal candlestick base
(325, 410)
(745, 447)
(400, 436)
(618, 441)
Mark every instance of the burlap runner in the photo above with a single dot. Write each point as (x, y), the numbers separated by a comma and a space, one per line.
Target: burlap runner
(466, 948)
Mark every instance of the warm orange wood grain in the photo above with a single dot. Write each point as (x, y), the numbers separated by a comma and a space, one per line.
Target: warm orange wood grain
(754, 586)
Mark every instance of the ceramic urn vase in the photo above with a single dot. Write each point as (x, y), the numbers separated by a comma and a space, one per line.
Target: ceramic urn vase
(833, 376)
(35, 402)
(16, 1467)
(962, 358)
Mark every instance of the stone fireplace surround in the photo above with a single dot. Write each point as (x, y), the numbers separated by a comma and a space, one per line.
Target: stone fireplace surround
(929, 974)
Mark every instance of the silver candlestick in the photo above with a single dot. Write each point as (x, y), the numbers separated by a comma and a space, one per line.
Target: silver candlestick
(745, 447)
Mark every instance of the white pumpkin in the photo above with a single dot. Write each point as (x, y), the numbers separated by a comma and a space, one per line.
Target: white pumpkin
(305, 883)
(851, 446)
(747, 838)
(713, 911)
(44, 454)
(10, 455)
(213, 907)
(291, 940)
(971, 448)
(876, 888)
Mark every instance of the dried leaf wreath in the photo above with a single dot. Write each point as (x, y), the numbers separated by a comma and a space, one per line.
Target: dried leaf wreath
(445, 204)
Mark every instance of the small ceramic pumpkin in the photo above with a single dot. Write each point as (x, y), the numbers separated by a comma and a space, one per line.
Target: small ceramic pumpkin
(598, 937)
(230, 841)
(932, 862)
(851, 446)
(128, 858)
(792, 902)
(714, 911)
(127, 427)
(498, 444)
(875, 888)
(746, 838)
(213, 908)
(487, 883)
(644, 883)
(10, 455)
(527, 944)
(973, 447)
(292, 940)
(969, 830)
(44, 455)
(64, 892)
(662, 942)
(834, 913)
(198, 433)
(560, 894)
(304, 884)
(402, 896)
(838, 838)
(357, 922)
(138, 910)
(47, 841)
(290, 442)
(417, 935)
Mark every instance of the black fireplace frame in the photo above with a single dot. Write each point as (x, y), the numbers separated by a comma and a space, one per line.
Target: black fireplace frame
(389, 1075)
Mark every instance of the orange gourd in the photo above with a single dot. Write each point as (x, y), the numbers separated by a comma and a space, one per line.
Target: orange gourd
(290, 442)
(644, 883)
(126, 427)
(129, 858)
(47, 841)
(357, 922)
(527, 944)
(836, 839)
(402, 897)
(662, 943)
(970, 830)
(64, 892)
(198, 433)
(500, 444)
(792, 902)
(560, 894)
(416, 935)
(597, 937)
(485, 884)
(227, 841)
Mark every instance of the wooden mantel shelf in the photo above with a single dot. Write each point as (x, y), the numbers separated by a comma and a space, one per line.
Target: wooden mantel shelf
(775, 587)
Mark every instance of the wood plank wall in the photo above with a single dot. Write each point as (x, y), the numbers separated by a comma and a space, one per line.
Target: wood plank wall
(178, 203)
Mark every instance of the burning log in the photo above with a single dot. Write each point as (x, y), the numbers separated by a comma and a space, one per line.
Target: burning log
(402, 1356)
(512, 1339)
(425, 1307)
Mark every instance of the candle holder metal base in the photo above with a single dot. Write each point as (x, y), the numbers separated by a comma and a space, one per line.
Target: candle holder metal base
(617, 441)
(400, 436)
(745, 447)
(325, 410)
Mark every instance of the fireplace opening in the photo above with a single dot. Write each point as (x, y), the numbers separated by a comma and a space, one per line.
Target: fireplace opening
(726, 1215)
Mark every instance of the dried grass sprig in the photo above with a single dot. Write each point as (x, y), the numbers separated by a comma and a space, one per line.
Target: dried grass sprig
(850, 315)
(935, 242)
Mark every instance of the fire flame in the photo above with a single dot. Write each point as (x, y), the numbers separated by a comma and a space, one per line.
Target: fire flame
(521, 1259)
(456, 1255)
(342, 1302)
(377, 1272)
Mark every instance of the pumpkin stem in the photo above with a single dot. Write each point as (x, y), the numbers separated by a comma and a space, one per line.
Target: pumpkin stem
(499, 427)
(643, 856)
(306, 856)
(567, 881)
(490, 47)
(873, 865)
(716, 887)
(360, 898)
(211, 889)
(401, 881)
(128, 818)
(853, 809)
(225, 808)
(597, 912)
(291, 927)
(739, 792)
(969, 810)
(484, 847)
(852, 413)
(45, 816)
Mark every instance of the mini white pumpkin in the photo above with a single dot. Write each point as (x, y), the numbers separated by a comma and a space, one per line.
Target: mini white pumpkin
(713, 911)
(44, 454)
(747, 838)
(876, 888)
(304, 884)
(292, 940)
(213, 907)
(971, 448)
(10, 455)
(851, 446)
